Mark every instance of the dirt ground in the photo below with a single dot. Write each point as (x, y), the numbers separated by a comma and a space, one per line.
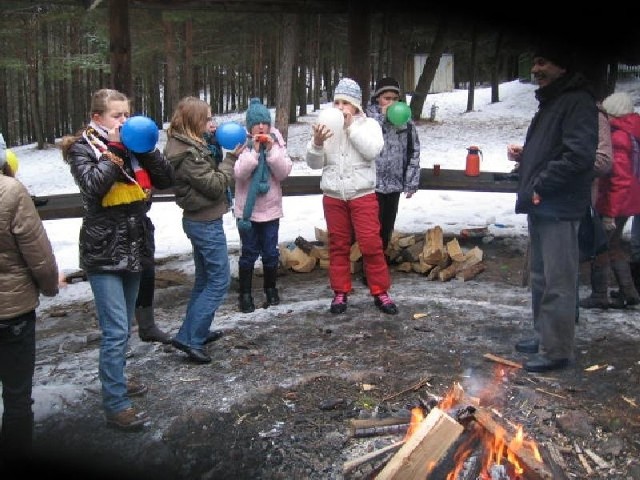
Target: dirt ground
(285, 382)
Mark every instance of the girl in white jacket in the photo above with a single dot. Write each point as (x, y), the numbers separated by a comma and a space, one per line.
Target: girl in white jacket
(345, 145)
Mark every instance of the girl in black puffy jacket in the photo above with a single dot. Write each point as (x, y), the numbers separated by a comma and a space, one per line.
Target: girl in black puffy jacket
(116, 237)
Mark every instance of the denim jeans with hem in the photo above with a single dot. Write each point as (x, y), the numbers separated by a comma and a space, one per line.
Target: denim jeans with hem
(17, 363)
(212, 279)
(115, 296)
(261, 240)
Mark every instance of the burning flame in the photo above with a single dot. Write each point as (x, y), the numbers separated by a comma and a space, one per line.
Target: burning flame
(496, 451)
(417, 416)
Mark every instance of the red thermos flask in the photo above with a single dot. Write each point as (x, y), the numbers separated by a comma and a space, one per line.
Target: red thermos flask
(473, 161)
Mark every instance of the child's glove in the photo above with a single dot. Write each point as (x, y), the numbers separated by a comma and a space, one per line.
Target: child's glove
(609, 223)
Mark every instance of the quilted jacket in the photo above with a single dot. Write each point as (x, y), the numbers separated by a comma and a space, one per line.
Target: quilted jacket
(116, 238)
(27, 264)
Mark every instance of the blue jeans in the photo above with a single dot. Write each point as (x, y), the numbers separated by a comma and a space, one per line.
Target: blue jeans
(554, 276)
(260, 240)
(635, 239)
(115, 297)
(212, 278)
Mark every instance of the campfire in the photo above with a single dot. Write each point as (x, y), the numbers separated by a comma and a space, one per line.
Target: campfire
(453, 439)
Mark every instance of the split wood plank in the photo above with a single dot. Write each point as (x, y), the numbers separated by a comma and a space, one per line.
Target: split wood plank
(425, 447)
(434, 245)
(583, 460)
(553, 459)
(470, 272)
(351, 465)
(361, 423)
(504, 361)
(598, 460)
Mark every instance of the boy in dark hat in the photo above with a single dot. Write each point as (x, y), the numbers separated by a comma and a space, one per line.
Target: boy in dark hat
(398, 164)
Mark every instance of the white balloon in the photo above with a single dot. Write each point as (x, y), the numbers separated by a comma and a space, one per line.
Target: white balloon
(332, 118)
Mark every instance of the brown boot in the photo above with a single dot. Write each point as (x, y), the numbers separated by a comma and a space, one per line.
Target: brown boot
(127, 420)
(135, 389)
(628, 294)
(148, 331)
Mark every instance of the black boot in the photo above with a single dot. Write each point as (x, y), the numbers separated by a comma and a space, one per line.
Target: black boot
(270, 290)
(148, 331)
(635, 274)
(628, 294)
(245, 300)
(599, 286)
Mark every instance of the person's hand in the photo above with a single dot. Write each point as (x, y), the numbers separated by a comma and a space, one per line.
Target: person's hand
(320, 134)
(262, 139)
(535, 198)
(609, 223)
(62, 280)
(238, 150)
(348, 119)
(514, 152)
(408, 195)
(113, 135)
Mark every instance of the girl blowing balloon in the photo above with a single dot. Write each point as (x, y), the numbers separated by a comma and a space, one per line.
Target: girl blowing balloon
(347, 155)
(116, 241)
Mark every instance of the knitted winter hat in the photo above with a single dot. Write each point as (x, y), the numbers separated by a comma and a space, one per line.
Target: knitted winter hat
(386, 84)
(557, 52)
(257, 113)
(349, 91)
(618, 104)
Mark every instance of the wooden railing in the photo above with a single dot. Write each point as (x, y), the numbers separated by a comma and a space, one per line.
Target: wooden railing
(69, 205)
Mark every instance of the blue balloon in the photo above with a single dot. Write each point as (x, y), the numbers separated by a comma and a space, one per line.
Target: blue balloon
(139, 134)
(230, 134)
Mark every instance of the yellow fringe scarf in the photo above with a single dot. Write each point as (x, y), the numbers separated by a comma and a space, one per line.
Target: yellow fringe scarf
(120, 193)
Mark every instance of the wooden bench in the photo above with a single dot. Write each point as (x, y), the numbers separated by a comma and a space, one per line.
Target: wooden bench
(69, 205)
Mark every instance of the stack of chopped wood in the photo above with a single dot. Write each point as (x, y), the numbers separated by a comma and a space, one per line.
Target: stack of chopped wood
(429, 255)
(426, 254)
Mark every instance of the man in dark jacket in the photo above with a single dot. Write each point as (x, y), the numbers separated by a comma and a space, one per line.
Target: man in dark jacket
(556, 170)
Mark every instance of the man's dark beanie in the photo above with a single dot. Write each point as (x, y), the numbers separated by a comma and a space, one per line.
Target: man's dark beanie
(556, 52)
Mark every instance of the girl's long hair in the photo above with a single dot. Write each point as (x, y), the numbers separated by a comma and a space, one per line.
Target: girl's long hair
(190, 119)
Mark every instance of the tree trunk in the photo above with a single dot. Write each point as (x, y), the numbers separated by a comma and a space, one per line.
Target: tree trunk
(315, 74)
(429, 70)
(495, 71)
(289, 28)
(172, 95)
(188, 85)
(472, 68)
(32, 76)
(398, 52)
(120, 47)
(359, 40)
